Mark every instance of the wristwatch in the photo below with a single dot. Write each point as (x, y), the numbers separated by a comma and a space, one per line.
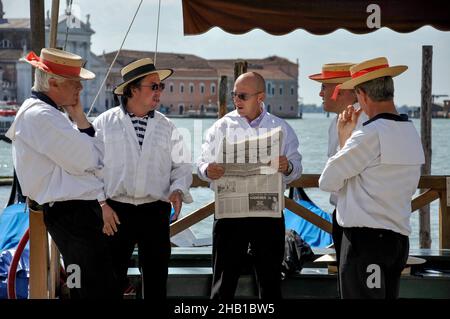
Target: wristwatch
(290, 168)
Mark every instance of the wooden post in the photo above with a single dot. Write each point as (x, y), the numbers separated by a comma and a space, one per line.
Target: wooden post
(54, 23)
(53, 272)
(38, 256)
(240, 67)
(38, 233)
(37, 24)
(223, 89)
(425, 128)
(444, 216)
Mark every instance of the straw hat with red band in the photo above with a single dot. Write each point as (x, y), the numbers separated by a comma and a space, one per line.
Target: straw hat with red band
(60, 63)
(139, 69)
(333, 73)
(370, 70)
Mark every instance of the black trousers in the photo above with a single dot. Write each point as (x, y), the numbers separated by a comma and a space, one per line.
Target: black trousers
(231, 240)
(146, 225)
(76, 228)
(371, 263)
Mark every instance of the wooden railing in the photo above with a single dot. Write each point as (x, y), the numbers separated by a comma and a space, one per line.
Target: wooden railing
(436, 188)
(44, 266)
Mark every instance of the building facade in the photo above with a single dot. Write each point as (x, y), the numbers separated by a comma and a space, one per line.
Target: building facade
(15, 43)
(193, 89)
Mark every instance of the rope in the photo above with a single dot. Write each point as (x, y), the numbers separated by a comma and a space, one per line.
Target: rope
(68, 14)
(114, 60)
(157, 32)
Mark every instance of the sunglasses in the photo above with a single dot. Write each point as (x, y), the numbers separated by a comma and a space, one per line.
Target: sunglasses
(242, 96)
(155, 86)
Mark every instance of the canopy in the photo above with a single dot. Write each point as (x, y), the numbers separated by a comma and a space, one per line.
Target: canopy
(316, 16)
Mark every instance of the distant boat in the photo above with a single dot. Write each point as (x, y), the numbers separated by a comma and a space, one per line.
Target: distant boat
(8, 111)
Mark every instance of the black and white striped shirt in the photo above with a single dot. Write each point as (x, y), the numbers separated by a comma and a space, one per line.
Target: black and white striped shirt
(140, 125)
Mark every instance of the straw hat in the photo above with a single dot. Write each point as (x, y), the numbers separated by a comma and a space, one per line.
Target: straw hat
(60, 63)
(370, 70)
(331, 258)
(139, 69)
(333, 73)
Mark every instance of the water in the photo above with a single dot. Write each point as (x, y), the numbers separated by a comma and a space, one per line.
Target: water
(312, 131)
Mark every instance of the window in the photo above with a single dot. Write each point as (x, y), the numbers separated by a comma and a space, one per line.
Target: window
(281, 107)
(213, 88)
(181, 88)
(171, 87)
(273, 91)
(5, 44)
(281, 90)
(269, 88)
(292, 90)
(202, 88)
(191, 88)
(292, 108)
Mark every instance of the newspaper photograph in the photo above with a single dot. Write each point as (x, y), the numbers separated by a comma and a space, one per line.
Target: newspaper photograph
(251, 185)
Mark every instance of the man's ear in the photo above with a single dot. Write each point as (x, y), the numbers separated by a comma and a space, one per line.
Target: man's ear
(52, 82)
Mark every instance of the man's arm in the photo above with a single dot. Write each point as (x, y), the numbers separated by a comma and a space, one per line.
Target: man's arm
(50, 133)
(359, 151)
(293, 156)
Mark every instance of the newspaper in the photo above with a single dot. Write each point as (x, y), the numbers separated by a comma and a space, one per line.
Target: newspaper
(251, 186)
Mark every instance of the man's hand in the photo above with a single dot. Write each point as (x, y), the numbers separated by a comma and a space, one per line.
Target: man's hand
(177, 202)
(215, 171)
(282, 163)
(346, 123)
(77, 115)
(110, 219)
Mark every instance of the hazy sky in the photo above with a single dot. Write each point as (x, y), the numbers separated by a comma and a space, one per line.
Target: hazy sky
(110, 20)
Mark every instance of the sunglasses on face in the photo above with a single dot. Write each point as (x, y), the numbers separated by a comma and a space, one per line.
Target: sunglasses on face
(242, 96)
(155, 86)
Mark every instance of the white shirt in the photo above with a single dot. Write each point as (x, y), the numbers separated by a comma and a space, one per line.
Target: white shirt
(233, 124)
(137, 176)
(53, 160)
(375, 174)
(333, 140)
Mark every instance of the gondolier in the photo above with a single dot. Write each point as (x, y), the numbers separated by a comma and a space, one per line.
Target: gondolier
(146, 169)
(375, 172)
(56, 157)
(336, 101)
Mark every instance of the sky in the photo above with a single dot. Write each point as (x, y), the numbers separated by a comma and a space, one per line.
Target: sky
(110, 20)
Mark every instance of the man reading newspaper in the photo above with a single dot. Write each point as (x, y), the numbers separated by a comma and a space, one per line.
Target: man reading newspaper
(249, 156)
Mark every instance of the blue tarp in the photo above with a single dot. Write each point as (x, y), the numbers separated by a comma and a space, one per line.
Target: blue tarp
(14, 222)
(310, 233)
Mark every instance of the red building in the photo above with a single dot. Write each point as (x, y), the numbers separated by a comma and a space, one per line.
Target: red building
(193, 88)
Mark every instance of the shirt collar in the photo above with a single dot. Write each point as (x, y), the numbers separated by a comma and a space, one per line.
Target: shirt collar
(255, 123)
(150, 114)
(44, 98)
(388, 116)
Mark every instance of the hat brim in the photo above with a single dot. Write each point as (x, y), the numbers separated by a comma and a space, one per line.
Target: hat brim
(320, 78)
(163, 74)
(415, 261)
(390, 71)
(84, 73)
(329, 258)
